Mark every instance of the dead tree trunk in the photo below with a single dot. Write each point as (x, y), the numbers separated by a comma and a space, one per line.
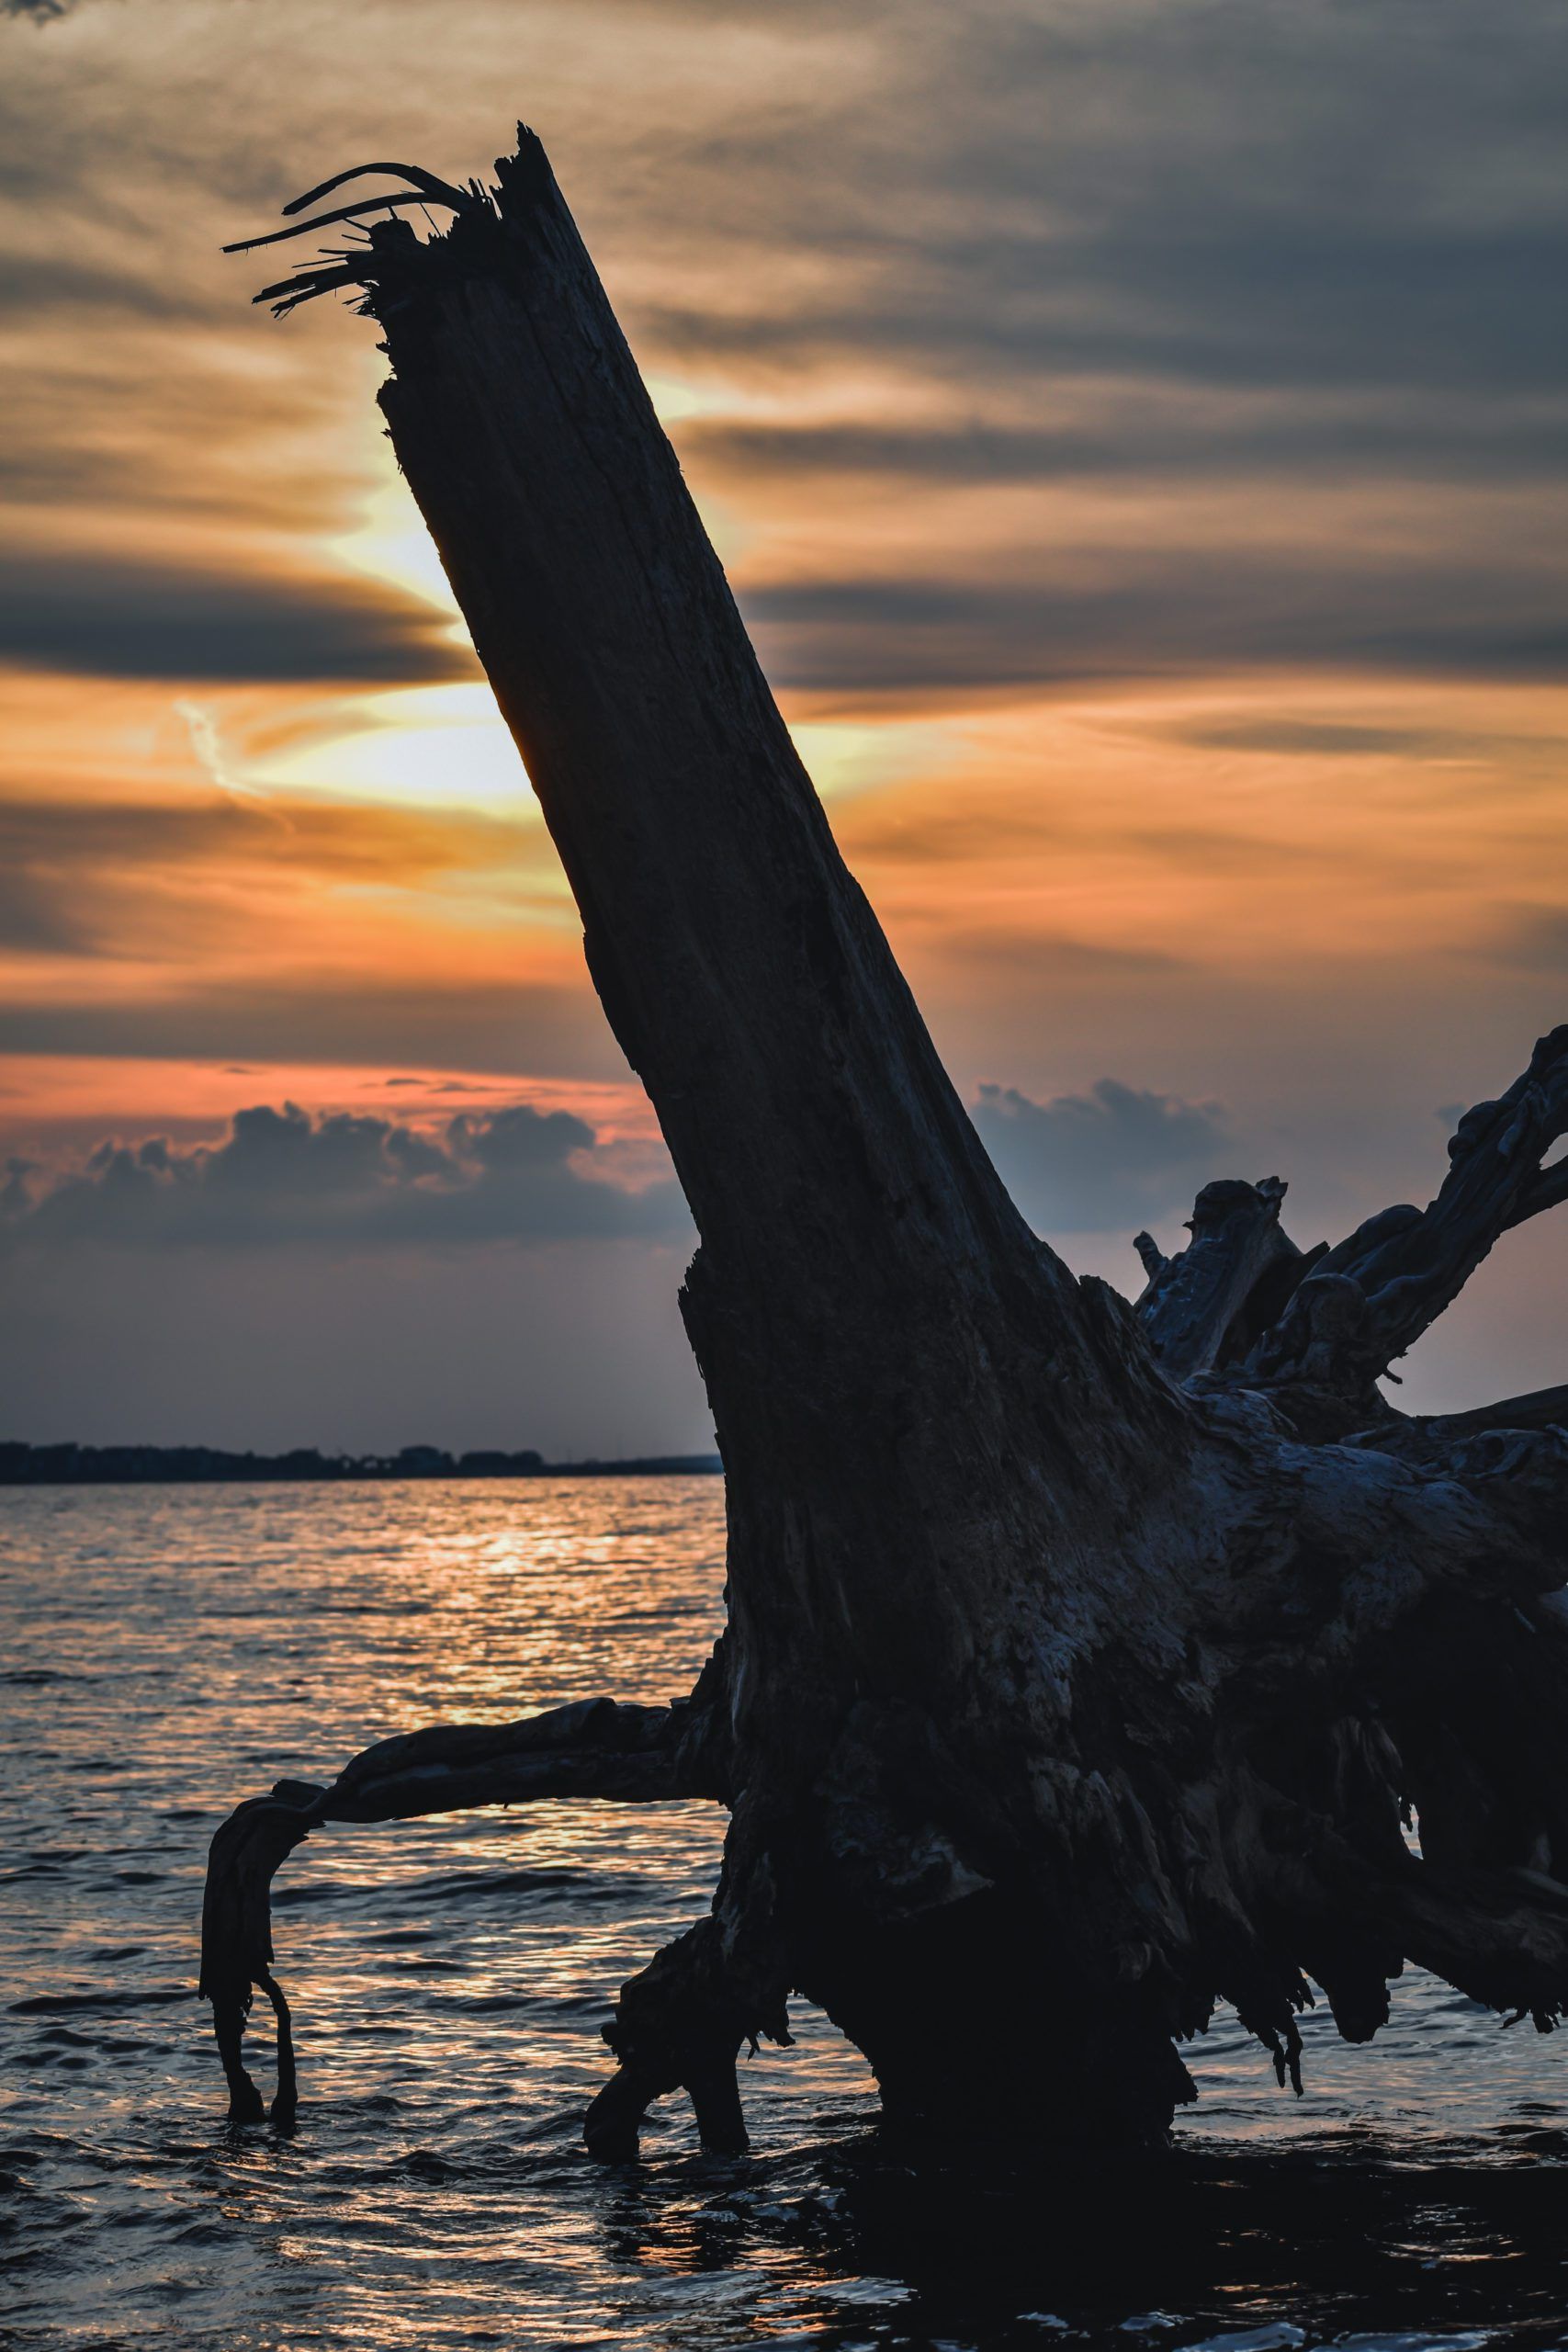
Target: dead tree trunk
(1081, 1660)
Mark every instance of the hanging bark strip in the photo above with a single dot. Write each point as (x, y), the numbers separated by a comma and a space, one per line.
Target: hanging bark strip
(1082, 1661)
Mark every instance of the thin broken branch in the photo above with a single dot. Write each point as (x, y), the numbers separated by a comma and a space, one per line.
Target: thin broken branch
(1367, 1302)
(1432, 1438)
(438, 191)
(325, 220)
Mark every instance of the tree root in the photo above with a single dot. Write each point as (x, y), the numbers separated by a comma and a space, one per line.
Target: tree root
(595, 1748)
(236, 1937)
(678, 2026)
(1499, 1937)
(681, 2022)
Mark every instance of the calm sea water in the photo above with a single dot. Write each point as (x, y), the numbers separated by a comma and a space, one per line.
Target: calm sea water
(165, 1651)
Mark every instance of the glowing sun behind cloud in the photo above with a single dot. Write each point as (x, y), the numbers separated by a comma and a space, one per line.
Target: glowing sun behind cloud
(1136, 438)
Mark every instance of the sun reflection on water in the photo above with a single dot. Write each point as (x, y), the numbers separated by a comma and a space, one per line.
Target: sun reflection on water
(168, 1650)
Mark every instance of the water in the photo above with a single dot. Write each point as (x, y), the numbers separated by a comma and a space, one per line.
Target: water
(167, 1650)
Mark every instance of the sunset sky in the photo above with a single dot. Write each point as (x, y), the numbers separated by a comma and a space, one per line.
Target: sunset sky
(1135, 430)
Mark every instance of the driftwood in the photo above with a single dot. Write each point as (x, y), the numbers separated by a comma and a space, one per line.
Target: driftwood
(1084, 1663)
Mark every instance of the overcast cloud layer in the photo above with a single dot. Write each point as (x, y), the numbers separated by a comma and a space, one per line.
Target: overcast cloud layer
(1250, 246)
(1137, 433)
(359, 1180)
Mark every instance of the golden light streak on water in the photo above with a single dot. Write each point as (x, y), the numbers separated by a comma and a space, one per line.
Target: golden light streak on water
(166, 1650)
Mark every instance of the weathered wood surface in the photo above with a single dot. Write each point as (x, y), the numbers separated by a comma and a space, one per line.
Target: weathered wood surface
(1081, 1660)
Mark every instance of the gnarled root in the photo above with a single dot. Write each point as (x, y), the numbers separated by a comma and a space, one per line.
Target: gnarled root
(236, 1937)
(679, 2025)
(1500, 1936)
(681, 2022)
(595, 1748)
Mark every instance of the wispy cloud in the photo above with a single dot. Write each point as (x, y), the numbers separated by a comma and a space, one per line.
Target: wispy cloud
(191, 877)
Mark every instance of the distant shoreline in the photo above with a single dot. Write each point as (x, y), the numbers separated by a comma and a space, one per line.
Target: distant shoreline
(204, 1465)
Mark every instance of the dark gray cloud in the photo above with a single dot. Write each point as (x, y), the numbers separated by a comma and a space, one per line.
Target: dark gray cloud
(1207, 244)
(1165, 616)
(96, 616)
(1243, 192)
(1073, 969)
(1447, 440)
(38, 922)
(1238, 304)
(1118, 1157)
(319, 1018)
(36, 283)
(1344, 740)
(348, 1178)
(363, 842)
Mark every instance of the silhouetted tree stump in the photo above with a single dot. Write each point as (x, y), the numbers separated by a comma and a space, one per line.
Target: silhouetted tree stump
(1082, 1661)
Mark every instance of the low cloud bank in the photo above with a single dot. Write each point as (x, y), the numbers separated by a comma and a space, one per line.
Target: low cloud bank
(1115, 1158)
(351, 1179)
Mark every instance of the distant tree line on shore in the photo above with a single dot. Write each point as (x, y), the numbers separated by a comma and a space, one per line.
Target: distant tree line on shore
(113, 1465)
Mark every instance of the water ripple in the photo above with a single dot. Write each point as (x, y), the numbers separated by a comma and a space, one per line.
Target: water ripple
(169, 1650)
